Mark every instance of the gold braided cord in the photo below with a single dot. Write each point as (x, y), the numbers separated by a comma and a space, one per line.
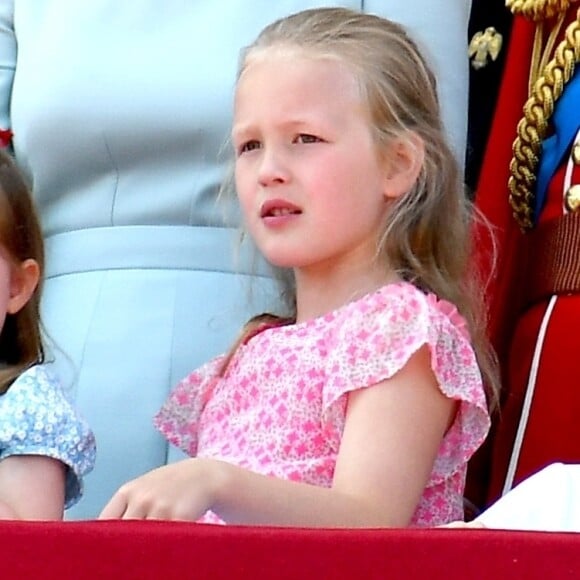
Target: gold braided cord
(537, 10)
(533, 127)
(541, 53)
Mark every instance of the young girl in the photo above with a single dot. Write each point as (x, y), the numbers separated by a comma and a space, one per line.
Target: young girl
(45, 448)
(362, 406)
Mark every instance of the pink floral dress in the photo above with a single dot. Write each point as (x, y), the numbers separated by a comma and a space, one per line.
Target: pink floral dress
(280, 408)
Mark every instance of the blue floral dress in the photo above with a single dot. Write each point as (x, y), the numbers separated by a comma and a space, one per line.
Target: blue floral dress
(36, 418)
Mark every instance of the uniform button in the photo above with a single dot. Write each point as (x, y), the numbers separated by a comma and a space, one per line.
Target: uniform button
(572, 198)
(576, 153)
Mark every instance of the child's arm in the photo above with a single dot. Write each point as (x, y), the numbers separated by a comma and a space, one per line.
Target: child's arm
(391, 437)
(31, 487)
(6, 512)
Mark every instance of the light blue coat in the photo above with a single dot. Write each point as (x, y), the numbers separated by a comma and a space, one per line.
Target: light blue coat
(119, 110)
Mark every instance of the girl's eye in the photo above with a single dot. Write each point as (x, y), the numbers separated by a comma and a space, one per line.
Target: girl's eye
(248, 146)
(306, 138)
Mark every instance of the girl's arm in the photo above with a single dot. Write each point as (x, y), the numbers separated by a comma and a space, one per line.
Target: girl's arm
(391, 437)
(6, 512)
(32, 488)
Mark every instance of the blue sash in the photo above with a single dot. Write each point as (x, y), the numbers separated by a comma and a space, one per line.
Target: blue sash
(566, 121)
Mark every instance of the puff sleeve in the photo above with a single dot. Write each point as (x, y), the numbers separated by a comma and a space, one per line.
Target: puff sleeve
(38, 419)
(376, 342)
(178, 418)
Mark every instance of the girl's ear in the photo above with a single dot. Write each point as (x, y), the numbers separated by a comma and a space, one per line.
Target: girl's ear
(23, 282)
(403, 161)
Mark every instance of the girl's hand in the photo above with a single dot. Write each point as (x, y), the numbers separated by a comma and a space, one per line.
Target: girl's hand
(180, 491)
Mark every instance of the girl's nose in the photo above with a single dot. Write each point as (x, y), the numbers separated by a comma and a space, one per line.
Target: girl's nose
(273, 168)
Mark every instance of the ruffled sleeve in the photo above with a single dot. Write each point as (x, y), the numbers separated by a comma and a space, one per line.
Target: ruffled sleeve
(178, 418)
(38, 419)
(376, 341)
(7, 66)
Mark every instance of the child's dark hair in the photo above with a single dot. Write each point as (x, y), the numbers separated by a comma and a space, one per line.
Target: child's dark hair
(20, 240)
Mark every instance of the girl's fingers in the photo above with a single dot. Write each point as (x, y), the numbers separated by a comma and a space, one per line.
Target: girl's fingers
(115, 509)
(135, 511)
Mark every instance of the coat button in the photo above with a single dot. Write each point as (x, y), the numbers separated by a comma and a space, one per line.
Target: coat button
(572, 198)
(576, 153)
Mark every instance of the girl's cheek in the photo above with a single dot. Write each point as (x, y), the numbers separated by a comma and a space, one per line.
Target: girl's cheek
(245, 205)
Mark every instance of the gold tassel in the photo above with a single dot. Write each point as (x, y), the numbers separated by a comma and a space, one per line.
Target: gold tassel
(537, 10)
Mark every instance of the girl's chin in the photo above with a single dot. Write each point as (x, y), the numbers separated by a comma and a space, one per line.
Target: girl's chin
(280, 259)
(284, 257)
(289, 260)
(282, 264)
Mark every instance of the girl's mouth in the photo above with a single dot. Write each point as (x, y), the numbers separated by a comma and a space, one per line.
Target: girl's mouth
(278, 208)
(281, 211)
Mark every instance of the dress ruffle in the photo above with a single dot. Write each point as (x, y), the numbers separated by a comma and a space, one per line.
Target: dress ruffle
(179, 416)
(396, 323)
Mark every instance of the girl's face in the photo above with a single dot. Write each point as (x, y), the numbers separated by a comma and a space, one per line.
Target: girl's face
(309, 177)
(17, 284)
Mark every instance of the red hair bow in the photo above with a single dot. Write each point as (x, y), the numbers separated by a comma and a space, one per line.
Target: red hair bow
(5, 137)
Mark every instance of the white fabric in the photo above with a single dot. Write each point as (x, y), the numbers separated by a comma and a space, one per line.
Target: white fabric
(548, 501)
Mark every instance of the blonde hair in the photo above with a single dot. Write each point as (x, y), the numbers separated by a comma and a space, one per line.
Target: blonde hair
(20, 239)
(428, 233)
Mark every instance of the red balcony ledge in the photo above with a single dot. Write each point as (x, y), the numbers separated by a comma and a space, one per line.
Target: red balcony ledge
(166, 550)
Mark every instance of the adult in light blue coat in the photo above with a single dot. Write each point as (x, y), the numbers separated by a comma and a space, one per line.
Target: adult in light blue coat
(119, 111)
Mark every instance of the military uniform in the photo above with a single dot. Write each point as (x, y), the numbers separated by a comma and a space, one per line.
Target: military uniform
(530, 190)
